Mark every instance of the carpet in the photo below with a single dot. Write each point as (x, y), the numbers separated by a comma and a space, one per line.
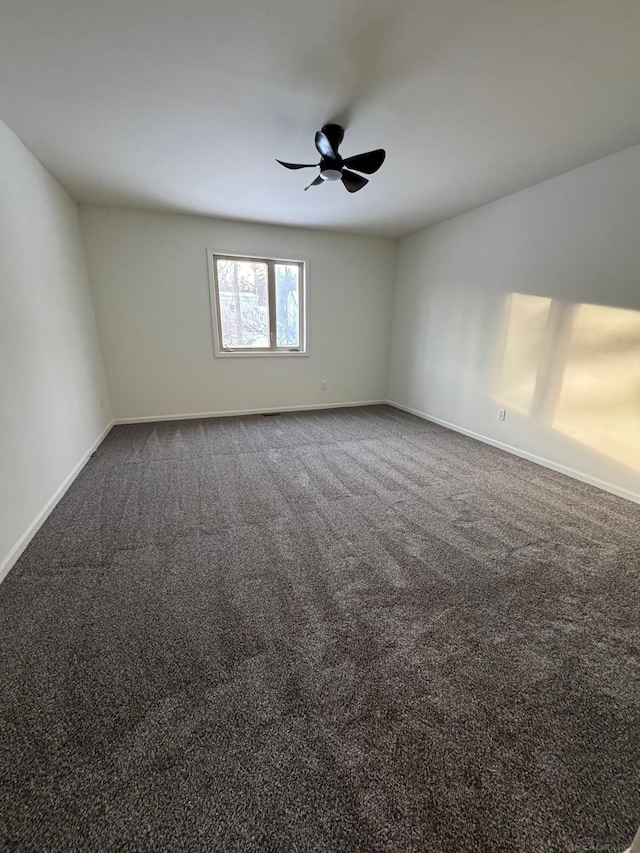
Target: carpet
(344, 630)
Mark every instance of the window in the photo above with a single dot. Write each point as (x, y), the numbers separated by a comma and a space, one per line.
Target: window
(258, 305)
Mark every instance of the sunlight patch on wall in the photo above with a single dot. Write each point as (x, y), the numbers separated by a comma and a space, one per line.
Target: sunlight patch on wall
(599, 400)
(527, 318)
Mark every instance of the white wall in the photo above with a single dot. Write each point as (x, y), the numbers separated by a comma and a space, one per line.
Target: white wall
(568, 375)
(151, 291)
(53, 398)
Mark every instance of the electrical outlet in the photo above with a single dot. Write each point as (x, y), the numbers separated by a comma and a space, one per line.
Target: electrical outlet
(323, 385)
(502, 414)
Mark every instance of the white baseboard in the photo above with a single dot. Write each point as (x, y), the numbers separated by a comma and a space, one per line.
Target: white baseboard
(524, 454)
(14, 554)
(236, 412)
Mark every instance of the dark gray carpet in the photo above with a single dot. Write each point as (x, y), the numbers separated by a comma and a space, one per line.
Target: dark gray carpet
(328, 631)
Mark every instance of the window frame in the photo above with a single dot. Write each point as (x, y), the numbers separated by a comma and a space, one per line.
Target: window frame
(259, 352)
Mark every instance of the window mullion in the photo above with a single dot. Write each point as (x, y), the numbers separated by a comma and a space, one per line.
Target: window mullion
(273, 331)
(302, 344)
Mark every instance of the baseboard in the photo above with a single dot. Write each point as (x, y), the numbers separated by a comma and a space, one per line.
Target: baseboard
(14, 554)
(234, 413)
(525, 454)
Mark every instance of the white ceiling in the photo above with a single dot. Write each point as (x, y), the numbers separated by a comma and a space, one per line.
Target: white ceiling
(185, 104)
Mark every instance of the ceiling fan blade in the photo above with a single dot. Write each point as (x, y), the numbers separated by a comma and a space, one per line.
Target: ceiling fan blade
(315, 183)
(352, 181)
(335, 135)
(367, 163)
(324, 146)
(297, 165)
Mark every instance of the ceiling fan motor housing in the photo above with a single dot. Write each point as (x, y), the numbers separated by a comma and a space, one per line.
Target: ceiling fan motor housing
(331, 170)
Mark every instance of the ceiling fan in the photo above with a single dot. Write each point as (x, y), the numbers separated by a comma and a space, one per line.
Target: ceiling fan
(333, 167)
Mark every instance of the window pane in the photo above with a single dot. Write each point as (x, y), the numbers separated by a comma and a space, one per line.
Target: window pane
(287, 305)
(243, 300)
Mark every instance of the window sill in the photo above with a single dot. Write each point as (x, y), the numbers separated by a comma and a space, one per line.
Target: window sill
(276, 354)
